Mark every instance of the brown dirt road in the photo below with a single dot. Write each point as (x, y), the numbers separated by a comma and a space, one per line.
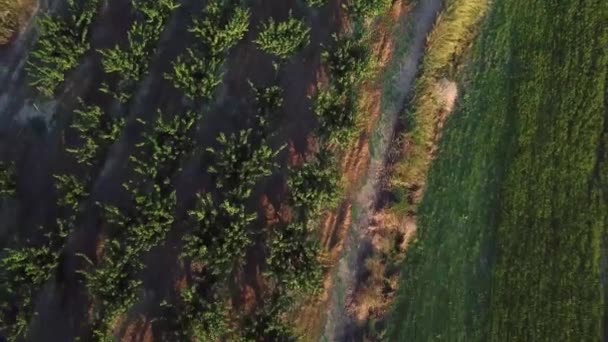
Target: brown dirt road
(340, 325)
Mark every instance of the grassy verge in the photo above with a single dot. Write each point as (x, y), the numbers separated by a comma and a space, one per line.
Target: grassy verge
(509, 228)
(447, 44)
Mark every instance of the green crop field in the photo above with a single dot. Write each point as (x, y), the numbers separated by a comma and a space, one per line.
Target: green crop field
(510, 231)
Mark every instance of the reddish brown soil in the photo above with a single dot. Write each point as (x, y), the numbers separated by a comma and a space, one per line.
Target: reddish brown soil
(310, 319)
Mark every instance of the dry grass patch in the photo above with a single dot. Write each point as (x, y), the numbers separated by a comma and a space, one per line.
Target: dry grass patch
(13, 15)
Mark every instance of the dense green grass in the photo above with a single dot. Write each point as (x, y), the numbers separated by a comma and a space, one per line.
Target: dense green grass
(508, 247)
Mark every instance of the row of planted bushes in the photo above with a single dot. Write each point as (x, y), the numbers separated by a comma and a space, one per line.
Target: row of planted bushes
(113, 280)
(238, 163)
(222, 234)
(294, 257)
(226, 229)
(63, 41)
(27, 267)
(293, 269)
(131, 63)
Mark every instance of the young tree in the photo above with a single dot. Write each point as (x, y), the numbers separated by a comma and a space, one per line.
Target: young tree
(71, 191)
(195, 75)
(8, 181)
(198, 72)
(22, 272)
(314, 185)
(96, 131)
(336, 114)
(293, 260)
(221, 27)
(363, 9)
(62, 42)
(269, 100)
(349, 62)
(221, 238)
(283, 39)
(238, 164)
(315, 3)
(199, 319)
(131, 63)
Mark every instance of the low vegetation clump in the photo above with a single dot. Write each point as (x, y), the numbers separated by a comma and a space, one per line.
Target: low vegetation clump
(363, 9)
(63, 42)
(197, 73)
(8, 180)
(131, 63)
(315, 3)
(335, 105)
(314, 185)
(517, 256)
(283, 39)
(96, 132)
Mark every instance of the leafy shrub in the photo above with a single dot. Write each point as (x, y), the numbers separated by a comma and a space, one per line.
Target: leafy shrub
(196, 76)
(315, 3)
(269, 100)
(363, 9)
(348, 62)
(113, 283)
(113, 287)
(96, 131)
(314, 185)
(336, 115)
(197, 73)
(71, 191)
(268, 321)
(22, 272)
(168, 140)
(283, 39)
(132, 63)
(62, 42)
(221, 28)
(221, 239)
(239, 164)
(194, 318)
(8, 181)
(292, 260)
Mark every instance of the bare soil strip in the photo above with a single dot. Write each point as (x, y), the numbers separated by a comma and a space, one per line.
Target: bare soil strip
(340, 326)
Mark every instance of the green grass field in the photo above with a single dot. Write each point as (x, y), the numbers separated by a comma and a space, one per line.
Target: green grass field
(510, 229)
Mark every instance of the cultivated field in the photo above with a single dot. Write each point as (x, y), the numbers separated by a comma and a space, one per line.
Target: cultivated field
(510, 230)
(166, 164)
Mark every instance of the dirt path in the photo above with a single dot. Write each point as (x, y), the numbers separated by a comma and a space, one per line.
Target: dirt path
(339, 325)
